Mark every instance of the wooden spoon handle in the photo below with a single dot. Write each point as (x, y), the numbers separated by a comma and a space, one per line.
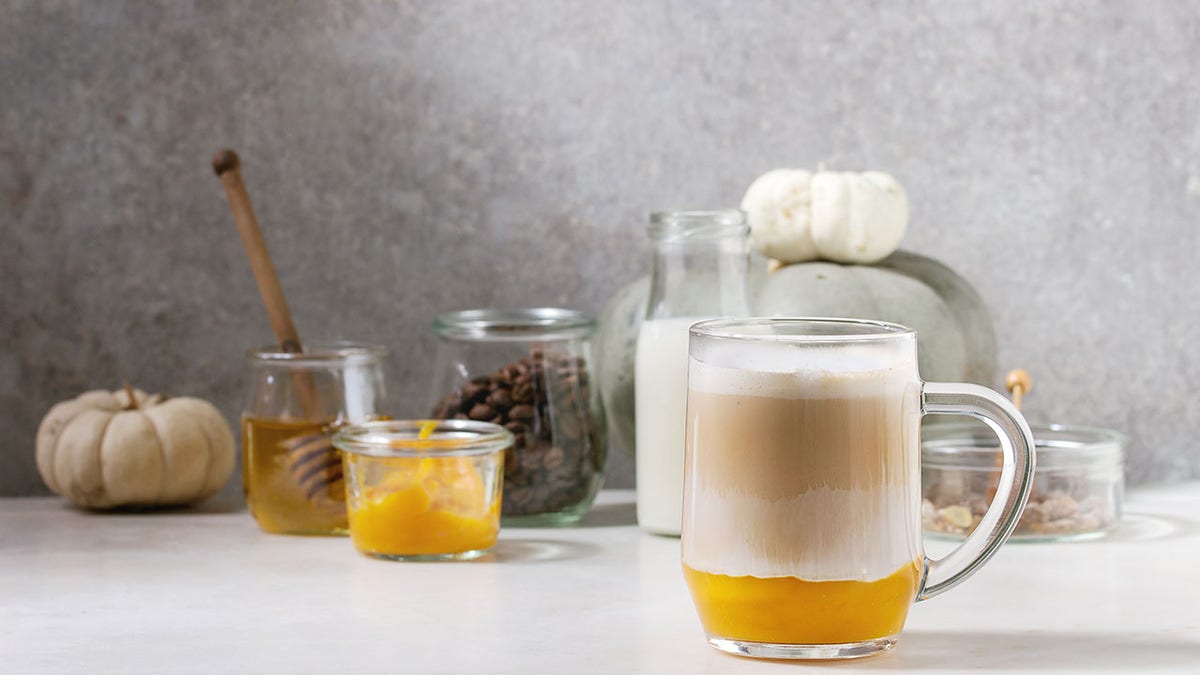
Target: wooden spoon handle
(228, 169)
(227, 166)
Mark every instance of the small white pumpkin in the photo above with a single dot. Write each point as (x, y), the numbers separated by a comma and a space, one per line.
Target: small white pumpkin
(106, 449)
(798, 216)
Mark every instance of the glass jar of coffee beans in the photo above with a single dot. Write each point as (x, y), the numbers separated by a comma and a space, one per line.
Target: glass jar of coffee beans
(529, 371)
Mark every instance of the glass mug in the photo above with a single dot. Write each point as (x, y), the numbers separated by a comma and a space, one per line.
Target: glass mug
(802, 488)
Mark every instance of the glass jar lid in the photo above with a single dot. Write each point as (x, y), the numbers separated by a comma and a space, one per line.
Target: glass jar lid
(514, 325)
(329, 353)
(402, 438)
(697, 225)
(1059, 446)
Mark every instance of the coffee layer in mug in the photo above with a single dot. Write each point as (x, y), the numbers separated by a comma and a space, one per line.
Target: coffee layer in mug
(809, 474)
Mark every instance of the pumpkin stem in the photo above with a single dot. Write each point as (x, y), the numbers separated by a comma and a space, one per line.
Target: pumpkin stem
(133, 404)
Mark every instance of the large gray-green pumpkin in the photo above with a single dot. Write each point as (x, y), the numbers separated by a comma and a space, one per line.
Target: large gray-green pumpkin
(956, 340)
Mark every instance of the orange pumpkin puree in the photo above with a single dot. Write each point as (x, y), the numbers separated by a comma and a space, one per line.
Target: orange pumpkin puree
(787, 610)
(425, 506)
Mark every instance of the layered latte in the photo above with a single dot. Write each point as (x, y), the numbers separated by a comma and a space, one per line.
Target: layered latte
(802, 506)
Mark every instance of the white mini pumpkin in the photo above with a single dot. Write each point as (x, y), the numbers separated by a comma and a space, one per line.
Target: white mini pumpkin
(106, 449)
(798, 216)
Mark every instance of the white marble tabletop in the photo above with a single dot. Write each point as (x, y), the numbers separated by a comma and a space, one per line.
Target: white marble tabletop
(203, 591)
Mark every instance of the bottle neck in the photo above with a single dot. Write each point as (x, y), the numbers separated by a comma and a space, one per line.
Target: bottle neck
(699, 278)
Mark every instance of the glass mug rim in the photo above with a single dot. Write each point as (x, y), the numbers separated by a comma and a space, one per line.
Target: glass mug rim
(801, 330)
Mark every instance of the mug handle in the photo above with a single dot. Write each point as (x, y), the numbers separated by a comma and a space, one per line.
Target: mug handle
(1016, 479)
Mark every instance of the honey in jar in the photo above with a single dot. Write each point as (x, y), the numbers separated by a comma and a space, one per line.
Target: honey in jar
(292, 476)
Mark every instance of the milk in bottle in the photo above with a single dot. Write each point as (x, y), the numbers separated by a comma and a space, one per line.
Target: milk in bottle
(698, 272)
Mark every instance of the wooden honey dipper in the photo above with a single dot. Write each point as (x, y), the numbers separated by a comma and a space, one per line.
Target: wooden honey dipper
(1019, 383)
(313, 462)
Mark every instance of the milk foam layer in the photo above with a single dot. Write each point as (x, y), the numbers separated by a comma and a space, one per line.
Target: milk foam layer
(803, 462)
(794, 371)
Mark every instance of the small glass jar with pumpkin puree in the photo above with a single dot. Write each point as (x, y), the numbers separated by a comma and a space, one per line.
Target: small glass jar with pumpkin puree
(424, 489)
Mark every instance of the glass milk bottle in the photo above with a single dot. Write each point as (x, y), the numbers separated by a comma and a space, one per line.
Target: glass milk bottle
(699, 272)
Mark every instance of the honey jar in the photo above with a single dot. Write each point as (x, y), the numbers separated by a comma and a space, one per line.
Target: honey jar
(291, 473)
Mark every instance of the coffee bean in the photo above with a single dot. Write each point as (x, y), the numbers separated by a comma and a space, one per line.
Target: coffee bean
(522, 392)
(531, 461)
(500, 399)
(519, 497)
(521, 412)
(562, 477)
(569, 426)
(473, 391)
(482, 412)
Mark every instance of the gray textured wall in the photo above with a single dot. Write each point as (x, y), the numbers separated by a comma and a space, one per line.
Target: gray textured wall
(409, 158)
